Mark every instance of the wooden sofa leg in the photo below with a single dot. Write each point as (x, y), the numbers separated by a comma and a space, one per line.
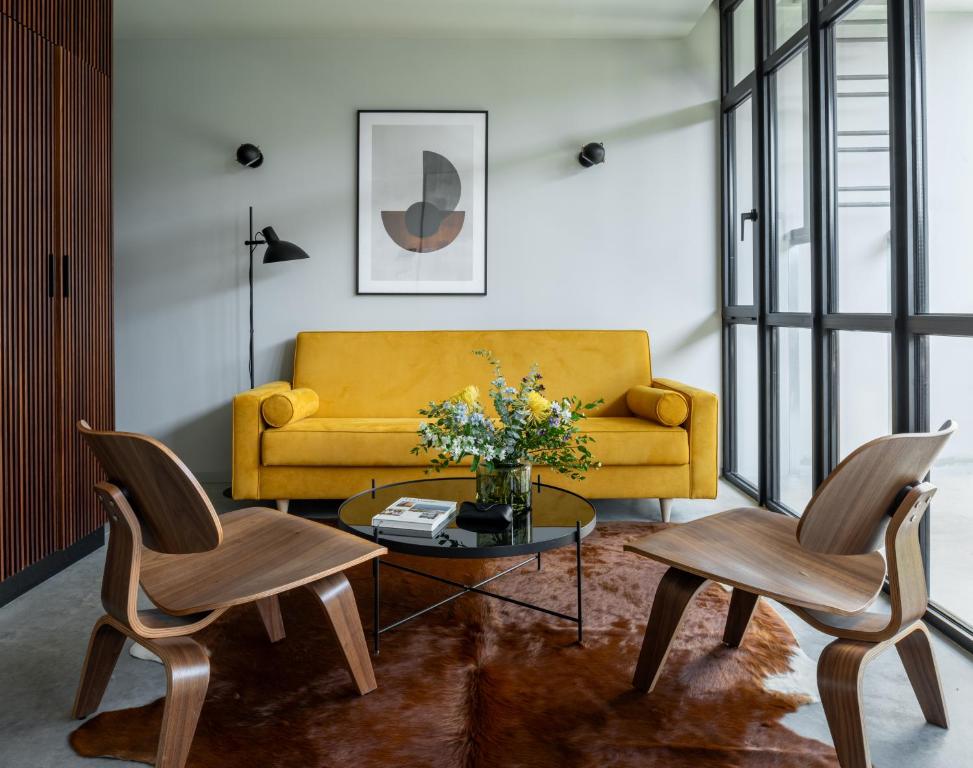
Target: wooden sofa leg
(915, 650)
(673, 597)
(103, 648)
(187, 672)
(283, 505)
(742, 605)
(666, 506)
(339, 605)
(840, 670)
(269, 609)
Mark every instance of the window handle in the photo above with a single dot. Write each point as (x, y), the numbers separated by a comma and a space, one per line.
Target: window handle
(750, 215)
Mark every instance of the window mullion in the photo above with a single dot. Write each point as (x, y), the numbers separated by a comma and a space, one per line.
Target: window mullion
(763, 191)
(823, 367)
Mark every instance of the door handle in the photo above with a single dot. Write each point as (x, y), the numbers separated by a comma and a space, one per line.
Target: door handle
(746, 216)
(50, 275)
(65, 276)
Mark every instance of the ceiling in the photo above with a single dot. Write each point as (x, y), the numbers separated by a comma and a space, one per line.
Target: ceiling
(406, 18)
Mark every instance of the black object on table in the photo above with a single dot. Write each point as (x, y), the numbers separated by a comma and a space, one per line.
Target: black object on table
(484, 518)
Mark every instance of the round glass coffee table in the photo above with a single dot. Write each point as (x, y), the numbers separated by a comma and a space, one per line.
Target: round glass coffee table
(557, 518)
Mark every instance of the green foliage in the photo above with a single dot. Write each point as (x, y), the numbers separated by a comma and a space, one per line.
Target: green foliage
(527, 427)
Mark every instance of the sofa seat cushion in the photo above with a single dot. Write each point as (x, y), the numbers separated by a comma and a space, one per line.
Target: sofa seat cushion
(621, 441)
(387, 442)
(350, 442)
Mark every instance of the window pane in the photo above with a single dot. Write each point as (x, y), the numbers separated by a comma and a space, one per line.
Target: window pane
(949, 147)
(743, 40)
(863, 177)
(742, 247)
(951, 525)
(791, 16)
(792, 168)
(864, 388)
(794, 416)
(747, 427)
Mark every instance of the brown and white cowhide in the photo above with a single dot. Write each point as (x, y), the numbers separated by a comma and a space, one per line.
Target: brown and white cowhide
(480, 683)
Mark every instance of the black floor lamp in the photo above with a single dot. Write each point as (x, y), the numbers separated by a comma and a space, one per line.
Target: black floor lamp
(277, 250)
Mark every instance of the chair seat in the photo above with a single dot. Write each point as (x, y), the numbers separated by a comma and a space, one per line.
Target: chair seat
(277, 552)
(388, 442)
(757, 551)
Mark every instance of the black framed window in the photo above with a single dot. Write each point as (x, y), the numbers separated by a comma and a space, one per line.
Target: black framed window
(848, 315)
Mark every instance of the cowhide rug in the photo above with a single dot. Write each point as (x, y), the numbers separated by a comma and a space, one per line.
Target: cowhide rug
(482, 683)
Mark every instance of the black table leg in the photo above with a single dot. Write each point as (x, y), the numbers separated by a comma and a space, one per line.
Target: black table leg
(376, 596)
(476, 588)
(578, 559)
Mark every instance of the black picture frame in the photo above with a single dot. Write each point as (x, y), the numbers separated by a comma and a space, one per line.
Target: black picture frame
(480, 290)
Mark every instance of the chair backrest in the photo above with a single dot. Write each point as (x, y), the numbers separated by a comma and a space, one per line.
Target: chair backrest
(849, 512)
(175, 515)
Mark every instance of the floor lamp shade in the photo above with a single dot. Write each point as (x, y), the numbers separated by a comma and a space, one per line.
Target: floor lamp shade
(280, 250)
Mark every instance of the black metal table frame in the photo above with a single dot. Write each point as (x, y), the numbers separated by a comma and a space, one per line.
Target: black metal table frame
(466, 589)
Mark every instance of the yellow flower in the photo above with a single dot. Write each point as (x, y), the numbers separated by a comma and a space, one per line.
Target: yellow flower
(468, 396)
(538, 406)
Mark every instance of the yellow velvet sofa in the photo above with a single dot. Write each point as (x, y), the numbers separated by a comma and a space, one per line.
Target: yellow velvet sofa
(359, 421)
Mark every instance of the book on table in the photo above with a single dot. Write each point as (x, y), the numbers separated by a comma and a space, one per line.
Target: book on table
(415, 517)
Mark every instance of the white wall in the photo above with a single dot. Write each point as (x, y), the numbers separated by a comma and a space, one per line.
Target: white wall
(631, 244)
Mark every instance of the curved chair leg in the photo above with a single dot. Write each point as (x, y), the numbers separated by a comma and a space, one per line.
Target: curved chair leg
(187, 673)
(673, 596)
(915, 650)
(665, 506)
(338, 602)
(103, 648)
(742, 605)
(269, 610)
(840, 670)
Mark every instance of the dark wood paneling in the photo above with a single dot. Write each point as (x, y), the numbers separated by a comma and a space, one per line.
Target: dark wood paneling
(83, 27)
(55, 239)
(86, 284)
(28, 402)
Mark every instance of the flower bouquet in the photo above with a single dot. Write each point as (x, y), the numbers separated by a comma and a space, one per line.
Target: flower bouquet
(527, 429)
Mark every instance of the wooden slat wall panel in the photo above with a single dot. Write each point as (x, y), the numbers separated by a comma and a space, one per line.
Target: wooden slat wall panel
(28, 403)
(55, 199)
(87, 292)
(83, 27)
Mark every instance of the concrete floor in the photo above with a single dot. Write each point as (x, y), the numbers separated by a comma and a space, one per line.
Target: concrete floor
(43, 635)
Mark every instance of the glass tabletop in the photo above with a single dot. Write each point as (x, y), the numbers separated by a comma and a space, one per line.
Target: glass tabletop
(554, 520)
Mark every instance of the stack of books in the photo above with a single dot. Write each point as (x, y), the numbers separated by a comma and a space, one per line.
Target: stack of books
(423, 518)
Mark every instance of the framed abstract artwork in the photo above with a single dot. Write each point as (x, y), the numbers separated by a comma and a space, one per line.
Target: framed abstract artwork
(422, 202)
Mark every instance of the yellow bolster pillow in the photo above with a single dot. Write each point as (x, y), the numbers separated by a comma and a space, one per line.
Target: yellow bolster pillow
(660, 405)
(284, 407)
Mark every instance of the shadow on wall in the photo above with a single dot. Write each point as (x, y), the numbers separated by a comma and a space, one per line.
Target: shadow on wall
(282, 354)
(204, 442)
(699, 334)
(193, 442)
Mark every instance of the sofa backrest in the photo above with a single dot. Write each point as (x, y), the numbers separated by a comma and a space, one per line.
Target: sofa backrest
(394, 373)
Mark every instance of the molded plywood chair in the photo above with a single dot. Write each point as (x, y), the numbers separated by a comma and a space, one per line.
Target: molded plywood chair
(193, 565)
(827, 568)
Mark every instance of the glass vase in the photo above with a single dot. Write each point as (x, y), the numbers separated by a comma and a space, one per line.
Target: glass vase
(505, 484)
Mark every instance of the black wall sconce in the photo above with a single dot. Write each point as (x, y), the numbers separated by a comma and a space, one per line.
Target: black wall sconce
(592, 154)
(249, 155)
